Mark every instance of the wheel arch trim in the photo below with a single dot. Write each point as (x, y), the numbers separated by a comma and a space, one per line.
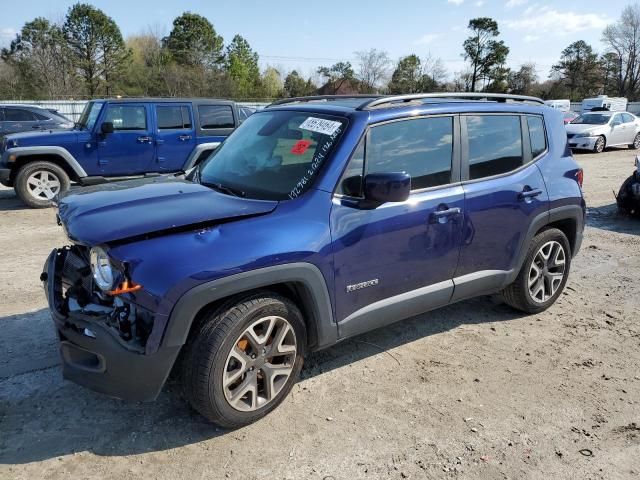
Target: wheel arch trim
(301, 273)
(61, 152)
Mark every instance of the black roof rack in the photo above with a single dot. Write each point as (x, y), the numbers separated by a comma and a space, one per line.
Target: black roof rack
(326, 98)
(399, 100)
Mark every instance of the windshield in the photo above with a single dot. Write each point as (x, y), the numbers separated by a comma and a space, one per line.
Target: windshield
(89, 115)
(593, 118)
(273, 155)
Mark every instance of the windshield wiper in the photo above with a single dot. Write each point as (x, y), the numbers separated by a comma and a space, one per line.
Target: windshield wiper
(224, 189)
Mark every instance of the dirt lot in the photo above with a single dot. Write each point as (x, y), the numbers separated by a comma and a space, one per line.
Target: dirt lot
(474, 390)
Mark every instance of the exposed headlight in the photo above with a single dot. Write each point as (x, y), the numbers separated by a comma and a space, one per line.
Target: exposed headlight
(101, 269)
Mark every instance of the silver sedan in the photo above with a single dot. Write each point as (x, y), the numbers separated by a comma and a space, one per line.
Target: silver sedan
(597, 130)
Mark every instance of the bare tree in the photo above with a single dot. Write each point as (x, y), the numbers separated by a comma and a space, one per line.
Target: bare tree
(435, 72)
(623, 39)
(373, 69)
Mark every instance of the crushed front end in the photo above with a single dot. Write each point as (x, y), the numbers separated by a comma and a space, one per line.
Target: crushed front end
(103, 336)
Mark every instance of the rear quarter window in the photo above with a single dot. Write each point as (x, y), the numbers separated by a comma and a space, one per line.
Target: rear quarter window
(215, 116)
(537, 135)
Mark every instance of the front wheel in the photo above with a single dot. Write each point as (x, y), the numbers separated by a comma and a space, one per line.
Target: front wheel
(543, 274)
(243, 359)
(599, 145)
(38, 183)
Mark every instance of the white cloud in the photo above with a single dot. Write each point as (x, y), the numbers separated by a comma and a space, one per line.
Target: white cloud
(427, 38)
(7, 33)
(456, 2)
(547, 19)
(516, 3)
(479, 3)
(530, 38)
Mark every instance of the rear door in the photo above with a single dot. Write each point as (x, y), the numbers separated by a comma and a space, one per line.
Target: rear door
(130, 149)
(175, 136)
(504, 191)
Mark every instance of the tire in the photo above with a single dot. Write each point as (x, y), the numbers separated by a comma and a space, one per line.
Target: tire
(525, 295)
(38, 183)
(216, 366)
(636, 142)
(600, 144)
(627, 204)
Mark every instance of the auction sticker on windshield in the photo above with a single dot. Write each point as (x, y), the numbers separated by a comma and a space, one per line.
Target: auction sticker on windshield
(320, 125)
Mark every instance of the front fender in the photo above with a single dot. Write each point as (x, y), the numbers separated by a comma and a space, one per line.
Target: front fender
(314, 294)
(12, 154)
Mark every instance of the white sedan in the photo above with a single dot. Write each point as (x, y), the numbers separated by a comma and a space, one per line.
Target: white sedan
(597, 130)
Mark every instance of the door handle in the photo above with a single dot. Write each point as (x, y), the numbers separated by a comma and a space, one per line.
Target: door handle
(144, 139)
(442, 216)
(184, 138)
(529, 194)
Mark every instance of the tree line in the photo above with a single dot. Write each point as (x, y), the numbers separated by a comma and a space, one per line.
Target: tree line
(86, 56)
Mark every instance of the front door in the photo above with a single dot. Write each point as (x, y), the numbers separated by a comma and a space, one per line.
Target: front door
(130, 149)
(408, 249)
(175, 136)
(504, 191)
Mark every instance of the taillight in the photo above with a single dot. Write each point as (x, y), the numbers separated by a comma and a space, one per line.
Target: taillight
(580, 177)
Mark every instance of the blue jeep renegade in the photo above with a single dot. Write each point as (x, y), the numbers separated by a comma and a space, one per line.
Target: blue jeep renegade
(320, 218)
(116, 139)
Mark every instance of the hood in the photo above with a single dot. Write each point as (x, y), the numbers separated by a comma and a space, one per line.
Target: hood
(44, 137)
(573, 128)
(122, 210)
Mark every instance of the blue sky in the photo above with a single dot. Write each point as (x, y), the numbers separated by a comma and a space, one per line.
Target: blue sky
(291, 35)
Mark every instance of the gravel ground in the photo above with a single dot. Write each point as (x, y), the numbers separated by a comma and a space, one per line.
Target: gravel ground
(475, 390)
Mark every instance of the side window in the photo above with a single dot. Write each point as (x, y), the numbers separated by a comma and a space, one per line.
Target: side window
(536, 135)
(421, 147)
(18, 115)
(126, 117)
(495, 144)
(39, 116)
(627, 118)
(173, 117)
(351, 182)
(215, 116)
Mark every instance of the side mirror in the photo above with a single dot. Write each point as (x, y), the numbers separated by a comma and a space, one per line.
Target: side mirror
(381, 188)
(106, 128)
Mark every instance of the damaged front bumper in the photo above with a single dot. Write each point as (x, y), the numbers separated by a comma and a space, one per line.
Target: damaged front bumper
(583, 143)
(96, 355)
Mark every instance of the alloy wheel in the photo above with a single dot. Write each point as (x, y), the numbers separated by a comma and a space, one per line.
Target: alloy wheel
(547, 271)
(600, 145)
(259, 363)
(636, 142)
(43, 185)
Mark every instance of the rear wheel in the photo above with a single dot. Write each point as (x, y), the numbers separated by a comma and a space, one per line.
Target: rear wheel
(38, 183)
(636, 142)
(244, 359)
(601, 142)
(543, 274)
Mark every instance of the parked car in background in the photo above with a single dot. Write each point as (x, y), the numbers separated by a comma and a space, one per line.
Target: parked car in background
(612, 104)
(569, 116)
(596, 130)
(319, 219)
(27, 118)
(115, 139)
(562, 105)
(245, 112)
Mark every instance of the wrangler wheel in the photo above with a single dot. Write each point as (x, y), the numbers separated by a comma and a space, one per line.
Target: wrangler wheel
(37, 184)
(244, 358)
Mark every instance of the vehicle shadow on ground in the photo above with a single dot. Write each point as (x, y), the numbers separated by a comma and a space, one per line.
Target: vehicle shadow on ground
(9, 201)
(607, 217)
(43, 417)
